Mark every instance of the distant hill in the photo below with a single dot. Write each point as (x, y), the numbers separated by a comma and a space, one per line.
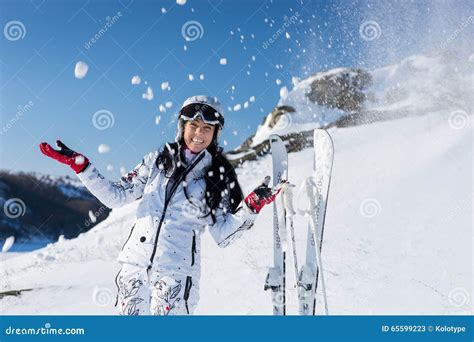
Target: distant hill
(39, 207)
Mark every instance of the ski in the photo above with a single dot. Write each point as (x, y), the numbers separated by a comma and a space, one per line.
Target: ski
(276, 278)
(317, 190)
(287, 198)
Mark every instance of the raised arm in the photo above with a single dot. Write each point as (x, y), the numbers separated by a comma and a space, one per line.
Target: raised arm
(112, 194)
(228, 227)
(116, 194)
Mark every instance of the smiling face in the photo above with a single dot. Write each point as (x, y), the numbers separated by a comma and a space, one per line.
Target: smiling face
(198, 135)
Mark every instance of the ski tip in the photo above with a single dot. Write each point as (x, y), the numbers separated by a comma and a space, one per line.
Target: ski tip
(274, 138)
(320, 133)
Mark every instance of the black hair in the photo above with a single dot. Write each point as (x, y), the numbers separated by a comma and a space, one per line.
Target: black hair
(220, 177)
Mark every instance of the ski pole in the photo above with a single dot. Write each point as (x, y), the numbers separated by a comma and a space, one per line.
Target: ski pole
(290, 212)
(310, 185)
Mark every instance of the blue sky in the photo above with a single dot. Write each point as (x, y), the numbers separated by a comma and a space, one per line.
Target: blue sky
(143, 39)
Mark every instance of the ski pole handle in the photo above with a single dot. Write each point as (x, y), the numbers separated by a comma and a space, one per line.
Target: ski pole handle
(307, 188)
(287, 189)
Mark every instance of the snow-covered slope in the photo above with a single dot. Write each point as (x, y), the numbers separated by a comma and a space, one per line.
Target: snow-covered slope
(419, 84)
(398, 236)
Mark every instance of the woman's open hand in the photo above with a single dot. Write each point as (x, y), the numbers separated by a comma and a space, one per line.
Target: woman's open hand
(262, 195)
(65, 155)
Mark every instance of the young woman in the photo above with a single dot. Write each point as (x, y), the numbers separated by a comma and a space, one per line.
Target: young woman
(185, 187)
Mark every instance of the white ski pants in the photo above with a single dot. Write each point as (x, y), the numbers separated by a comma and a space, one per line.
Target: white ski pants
(145, 292)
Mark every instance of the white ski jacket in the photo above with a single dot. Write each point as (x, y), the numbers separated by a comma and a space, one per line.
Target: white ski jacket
(166, 233)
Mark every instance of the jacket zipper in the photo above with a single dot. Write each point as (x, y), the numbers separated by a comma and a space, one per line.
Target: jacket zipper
(193, 248)
(187, 290)
(129, 235)
(157, 234)
(172, 191)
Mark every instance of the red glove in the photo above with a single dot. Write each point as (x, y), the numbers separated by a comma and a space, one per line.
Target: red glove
(65, 155)
(261, 196)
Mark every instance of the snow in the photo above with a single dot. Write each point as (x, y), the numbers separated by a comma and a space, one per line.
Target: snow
(8, 244)
(295, 80)
(103, 148)
(237, 107)
(157, 120)
(416, 85)
(169, 104)
(191, 77)
(136, 80)
(110, 167)
(79, 160)
(80, 71)
(92, 216)
(181, 2)
(410, 257)
(398, 235)
(223, 61)
(148, 95)
(165, 86)
(201, 77)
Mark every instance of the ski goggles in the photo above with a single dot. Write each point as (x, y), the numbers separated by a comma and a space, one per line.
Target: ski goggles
(202, 111)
